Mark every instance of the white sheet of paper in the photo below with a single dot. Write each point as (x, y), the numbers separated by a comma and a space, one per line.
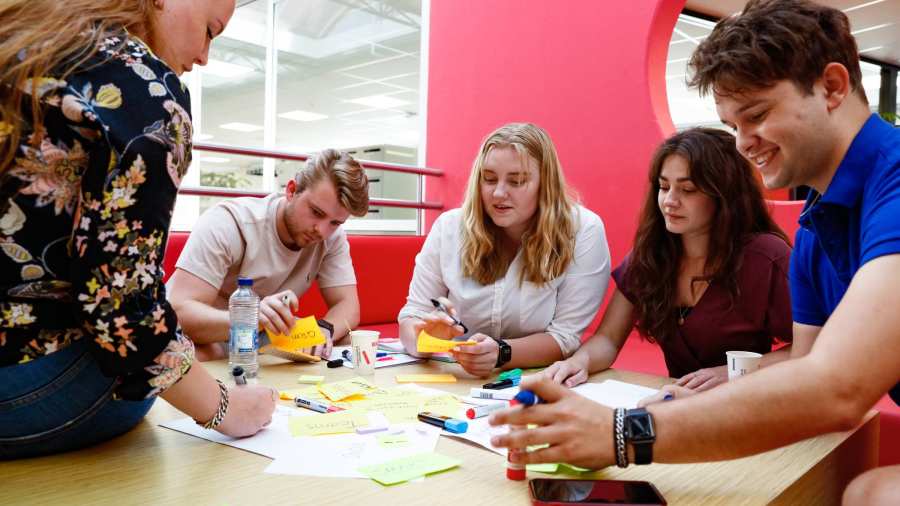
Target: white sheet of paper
(340, 455)
(614, 394)
(267, 442)
(396, 358)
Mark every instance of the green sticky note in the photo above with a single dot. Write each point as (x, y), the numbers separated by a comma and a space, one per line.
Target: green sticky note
(393, 440)
(407, 468)
(514, 373)
(574, 469)
(310, 380)
(543, 468)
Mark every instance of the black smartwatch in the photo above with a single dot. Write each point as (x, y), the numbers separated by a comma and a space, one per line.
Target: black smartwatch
(505, 354)
(640, 434)
(325, 324)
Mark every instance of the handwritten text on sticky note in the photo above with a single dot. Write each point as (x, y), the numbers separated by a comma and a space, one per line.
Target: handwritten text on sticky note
(340, 422)
(407, 468)
(304, 334)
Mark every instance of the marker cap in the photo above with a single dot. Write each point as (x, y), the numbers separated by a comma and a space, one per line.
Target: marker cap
(527, 398)
(515, 471)
(456, 426)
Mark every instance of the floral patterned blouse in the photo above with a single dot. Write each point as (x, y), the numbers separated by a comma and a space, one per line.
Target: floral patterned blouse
(84, 219)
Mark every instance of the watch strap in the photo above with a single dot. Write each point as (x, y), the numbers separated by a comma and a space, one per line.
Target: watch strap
(640, 433)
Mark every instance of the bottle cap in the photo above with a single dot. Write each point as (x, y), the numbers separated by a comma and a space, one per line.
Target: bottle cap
(245, 281)
(515, 471)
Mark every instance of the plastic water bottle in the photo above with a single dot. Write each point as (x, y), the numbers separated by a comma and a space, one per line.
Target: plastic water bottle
(243, 340)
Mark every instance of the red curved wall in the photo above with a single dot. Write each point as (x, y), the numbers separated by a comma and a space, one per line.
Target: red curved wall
(588, 71)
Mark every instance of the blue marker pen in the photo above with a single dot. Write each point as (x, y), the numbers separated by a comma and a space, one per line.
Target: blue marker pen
(526, 398)
(444, 422)
(347, 356)
(669, 396)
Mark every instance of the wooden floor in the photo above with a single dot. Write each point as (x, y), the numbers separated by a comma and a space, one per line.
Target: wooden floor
(153, 465)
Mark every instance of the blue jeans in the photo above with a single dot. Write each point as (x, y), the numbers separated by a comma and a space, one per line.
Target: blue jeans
(61, 402)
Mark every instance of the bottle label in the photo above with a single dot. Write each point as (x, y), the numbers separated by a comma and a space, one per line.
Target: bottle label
(244, 339)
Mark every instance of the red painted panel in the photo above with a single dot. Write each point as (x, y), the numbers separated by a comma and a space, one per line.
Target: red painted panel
(591, 73)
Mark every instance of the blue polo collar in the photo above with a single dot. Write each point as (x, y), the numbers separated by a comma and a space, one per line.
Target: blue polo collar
(846, 188)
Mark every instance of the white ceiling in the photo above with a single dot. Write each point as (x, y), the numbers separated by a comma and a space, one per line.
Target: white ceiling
(876, 24)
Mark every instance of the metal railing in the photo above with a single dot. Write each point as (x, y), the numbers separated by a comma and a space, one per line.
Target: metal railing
(421, 172)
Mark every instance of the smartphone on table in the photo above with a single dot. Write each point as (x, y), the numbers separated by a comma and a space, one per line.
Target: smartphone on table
(550, 492)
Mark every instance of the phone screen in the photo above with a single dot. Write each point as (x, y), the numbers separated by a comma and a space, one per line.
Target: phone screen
(595, 491)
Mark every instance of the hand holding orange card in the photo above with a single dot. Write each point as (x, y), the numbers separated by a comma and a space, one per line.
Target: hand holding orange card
(305, 334)
(430, 344)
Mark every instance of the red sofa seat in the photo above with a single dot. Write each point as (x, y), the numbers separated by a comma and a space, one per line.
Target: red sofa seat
(383, 265)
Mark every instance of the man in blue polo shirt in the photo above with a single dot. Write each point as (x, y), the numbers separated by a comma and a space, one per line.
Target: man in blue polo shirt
(786, 78)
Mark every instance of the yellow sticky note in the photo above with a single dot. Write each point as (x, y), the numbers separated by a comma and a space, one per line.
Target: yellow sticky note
(426, 378)
(430, 344)
(407, 468)
(304, 334)
(341, 390)
(310, 380)
(396, 410)
(447, 405)
(339, 422)
(310, 392)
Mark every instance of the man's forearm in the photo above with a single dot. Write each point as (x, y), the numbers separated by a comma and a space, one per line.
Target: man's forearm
(202, 323)
(773, 407)
(341, 315)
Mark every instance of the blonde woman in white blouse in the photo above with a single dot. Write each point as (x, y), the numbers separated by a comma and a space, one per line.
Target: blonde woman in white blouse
(521, 264)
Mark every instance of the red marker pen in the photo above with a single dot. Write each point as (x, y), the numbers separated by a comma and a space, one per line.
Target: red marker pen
(366, 356)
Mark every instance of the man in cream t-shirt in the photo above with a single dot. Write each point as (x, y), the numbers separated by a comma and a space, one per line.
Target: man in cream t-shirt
(283, 242)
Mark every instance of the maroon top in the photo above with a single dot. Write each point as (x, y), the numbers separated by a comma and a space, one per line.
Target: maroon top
(761, 311)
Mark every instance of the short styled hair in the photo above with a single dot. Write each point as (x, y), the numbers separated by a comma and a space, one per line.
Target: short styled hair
(345, 173)
(773, 40)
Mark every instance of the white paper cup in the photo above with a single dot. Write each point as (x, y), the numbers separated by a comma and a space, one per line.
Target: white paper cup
(363, 346)
(741, 363)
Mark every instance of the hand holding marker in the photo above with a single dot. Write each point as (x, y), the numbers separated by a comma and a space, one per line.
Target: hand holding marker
(442, 308)
(525, 398)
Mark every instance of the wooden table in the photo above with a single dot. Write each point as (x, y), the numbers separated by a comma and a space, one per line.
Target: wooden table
(154, 465)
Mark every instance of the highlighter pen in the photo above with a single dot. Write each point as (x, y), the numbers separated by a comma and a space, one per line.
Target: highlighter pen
(442, 308)
(480, 411)
(315, 406)
(504, 383)
(501, 395)
(238, 374)
(444, 422)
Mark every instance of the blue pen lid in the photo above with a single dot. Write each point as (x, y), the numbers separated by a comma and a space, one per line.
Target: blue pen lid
(527, 398)
(456, 426)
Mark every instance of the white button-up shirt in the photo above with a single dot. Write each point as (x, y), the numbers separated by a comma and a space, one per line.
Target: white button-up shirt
(563, 307)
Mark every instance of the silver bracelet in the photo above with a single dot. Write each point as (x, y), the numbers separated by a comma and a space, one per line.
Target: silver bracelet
(220, 413)
(619, 437)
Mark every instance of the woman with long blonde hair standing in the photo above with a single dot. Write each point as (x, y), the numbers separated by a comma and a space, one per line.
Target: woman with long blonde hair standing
(95, 135)
(521, 264)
